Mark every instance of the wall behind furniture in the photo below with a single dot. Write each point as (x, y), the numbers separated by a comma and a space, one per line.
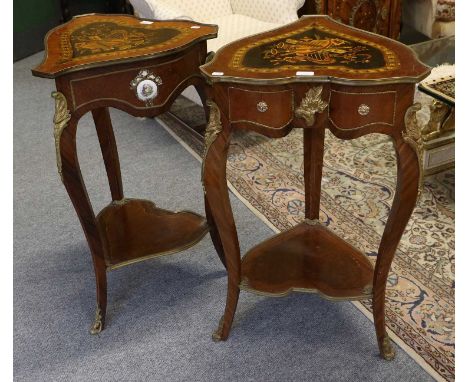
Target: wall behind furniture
(32, 19)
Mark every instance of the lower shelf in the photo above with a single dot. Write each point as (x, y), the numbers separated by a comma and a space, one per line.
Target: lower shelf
(308, 258)
(135, 229)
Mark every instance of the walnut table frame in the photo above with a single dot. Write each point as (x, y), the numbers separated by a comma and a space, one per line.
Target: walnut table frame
(140, 67)
(312, 74)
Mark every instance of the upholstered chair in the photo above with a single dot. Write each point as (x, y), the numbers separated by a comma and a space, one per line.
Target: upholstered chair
(235, 18)
(434, 18)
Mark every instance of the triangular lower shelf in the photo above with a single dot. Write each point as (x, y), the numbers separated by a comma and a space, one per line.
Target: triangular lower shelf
(308, 258)
(134, 230)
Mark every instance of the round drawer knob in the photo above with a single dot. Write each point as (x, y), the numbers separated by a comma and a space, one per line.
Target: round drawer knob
(262, 106)
(145, 85)
(363, 109)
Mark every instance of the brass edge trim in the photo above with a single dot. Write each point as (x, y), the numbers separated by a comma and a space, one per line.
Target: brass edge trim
(123, 201)
(123, 61)
(154, 255)
(315, 79)
(213, 129)
(244, 286)
(262, 125)
(412, 135)
(311, 104)
(358, 127)
(61, 117)
(328, 79)
(367, 124)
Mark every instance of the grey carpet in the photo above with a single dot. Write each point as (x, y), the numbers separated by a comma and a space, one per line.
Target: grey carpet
(161, 313)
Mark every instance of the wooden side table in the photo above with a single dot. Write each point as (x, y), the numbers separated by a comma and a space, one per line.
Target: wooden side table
(312, 74)
(140, 67)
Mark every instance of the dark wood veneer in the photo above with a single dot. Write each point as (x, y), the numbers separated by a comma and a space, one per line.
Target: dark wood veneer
(350, 103)
(134, 230)
(95, 59)
(337, 55)
(307, 258)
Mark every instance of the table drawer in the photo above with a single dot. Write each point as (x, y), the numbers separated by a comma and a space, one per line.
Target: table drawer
(126, 86)
(269, 109)
(355, 110)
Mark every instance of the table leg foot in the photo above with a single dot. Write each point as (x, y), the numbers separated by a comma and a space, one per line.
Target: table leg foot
(98, 324)
(387, 350)
(224, 327)
(217, 334)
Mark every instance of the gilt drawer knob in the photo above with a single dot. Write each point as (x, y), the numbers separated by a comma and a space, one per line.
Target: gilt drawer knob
(363, 109)
(145, 85)
(262, 106)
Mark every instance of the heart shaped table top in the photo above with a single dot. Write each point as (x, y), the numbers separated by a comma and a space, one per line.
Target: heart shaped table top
(98, 40)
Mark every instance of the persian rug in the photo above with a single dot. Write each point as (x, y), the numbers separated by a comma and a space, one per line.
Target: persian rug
(358, 186)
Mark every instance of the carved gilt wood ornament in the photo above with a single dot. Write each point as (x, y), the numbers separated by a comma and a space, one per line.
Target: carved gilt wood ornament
(213, 128)
(61, 118)
(441, 120)
(312, 103)
(412, 136)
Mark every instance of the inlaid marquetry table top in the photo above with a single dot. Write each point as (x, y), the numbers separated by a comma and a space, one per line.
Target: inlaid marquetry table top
(99, 40)
(314, 46)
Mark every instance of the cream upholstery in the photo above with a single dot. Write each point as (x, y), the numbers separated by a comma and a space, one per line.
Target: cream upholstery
(234, 27)
(235, 18)
(434, 18)
(270, 11)
(196, 10)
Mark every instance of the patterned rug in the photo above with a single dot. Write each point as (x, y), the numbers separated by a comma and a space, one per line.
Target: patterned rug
(358, 186)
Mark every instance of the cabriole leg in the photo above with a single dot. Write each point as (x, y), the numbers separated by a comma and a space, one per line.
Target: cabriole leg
(402, 207)
(68, 167)
(217, 139)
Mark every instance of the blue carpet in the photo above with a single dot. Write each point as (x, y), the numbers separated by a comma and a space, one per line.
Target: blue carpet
(161, 313)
